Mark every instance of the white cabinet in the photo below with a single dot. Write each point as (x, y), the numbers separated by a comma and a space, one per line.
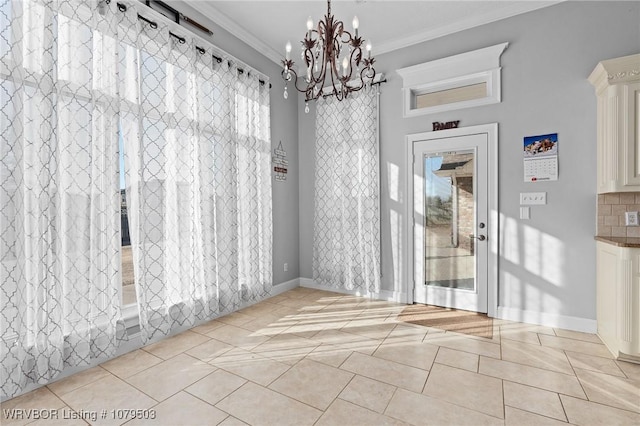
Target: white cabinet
(618, 299)
(617, 84)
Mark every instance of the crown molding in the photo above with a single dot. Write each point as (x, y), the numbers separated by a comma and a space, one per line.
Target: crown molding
(516, 8)
(211, 12)
(519, 7)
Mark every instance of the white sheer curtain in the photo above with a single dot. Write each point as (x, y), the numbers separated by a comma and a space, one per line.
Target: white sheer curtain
(197, 159)
(253, 209)
(346, 231)
(59, 197)
(74, 80)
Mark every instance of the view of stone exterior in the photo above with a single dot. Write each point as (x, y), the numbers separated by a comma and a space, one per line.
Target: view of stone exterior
(466, 212)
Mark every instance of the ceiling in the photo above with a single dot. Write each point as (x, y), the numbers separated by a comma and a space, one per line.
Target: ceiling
(389, 25)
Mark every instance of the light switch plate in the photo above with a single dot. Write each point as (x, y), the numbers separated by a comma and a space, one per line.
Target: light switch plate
(532, 198)
(525, 212)
(631, 218)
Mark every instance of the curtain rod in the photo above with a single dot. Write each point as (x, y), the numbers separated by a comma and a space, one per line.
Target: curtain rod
(181, 40)
(377, 83)
(178, 15)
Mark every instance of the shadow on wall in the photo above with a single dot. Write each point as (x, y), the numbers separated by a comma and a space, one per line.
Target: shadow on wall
(396, 228)
(541, 258)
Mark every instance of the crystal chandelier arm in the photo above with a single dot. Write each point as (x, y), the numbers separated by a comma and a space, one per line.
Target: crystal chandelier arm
(337, 93)
(321, 31)
(357, 50)
(313, 78)
(368, 72)
(289, 74)
(309, 60)
(344, 33)
(354, 57)
(335, 67)
(319, 77)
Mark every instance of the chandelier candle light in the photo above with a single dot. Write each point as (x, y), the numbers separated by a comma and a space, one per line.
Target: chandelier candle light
(332, 53)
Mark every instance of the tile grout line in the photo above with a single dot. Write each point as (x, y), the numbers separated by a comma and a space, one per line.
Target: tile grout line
(539, 414)
(334, 399)
(159, 401)
(623, 372)
(429, 371)
(128, 384)
(231, 393)
(580, 382)
(76, 388)
(570, 396)
(439, 399)
(459, 405)
(390, 399)
(564, 410)
(297, 400)
(519, 383)
(504, 403)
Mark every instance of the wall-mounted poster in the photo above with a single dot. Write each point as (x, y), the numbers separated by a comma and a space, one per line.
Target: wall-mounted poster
(541, 158)
(280, 163)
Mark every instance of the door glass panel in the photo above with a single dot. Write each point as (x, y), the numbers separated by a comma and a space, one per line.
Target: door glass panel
(450, 220)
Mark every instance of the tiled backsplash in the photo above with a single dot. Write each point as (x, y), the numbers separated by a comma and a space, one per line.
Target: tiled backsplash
(611, 209)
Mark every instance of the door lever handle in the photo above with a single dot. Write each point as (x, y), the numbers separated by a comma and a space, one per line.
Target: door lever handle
(480, 237)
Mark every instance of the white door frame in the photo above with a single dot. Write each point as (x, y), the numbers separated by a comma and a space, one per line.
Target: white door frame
(491, 130)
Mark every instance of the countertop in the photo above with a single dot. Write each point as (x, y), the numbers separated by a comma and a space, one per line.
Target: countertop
(620, 241)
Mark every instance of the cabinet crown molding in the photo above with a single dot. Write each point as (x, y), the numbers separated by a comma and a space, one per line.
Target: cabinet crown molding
(615, 71)
(617, 86)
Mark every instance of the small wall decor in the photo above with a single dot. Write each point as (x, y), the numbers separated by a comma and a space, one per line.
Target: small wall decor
(541, 158)
(280, 163)
(437, 125)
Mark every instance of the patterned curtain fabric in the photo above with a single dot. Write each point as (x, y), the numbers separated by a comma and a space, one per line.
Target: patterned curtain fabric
(197, 159)
(346, 232)
(59, 197)
(77, 81)
(252, 146)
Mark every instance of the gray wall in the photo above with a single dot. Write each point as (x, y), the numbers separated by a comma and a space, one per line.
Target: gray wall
(547, 264)
(284, 127)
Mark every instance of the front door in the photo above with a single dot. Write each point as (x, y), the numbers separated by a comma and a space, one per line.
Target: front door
(451, 220)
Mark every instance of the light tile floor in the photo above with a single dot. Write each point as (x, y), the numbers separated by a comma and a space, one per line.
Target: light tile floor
(313, 357)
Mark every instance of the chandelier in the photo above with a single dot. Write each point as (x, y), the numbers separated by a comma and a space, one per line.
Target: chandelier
(333, 60)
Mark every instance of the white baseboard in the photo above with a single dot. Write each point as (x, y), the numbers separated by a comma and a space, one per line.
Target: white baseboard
(391, 296)
(285, 286)
(548, 320)
(512, 314)
(308, 282)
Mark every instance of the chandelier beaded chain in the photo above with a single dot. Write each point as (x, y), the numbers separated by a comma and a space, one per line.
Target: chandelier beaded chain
(333, 59)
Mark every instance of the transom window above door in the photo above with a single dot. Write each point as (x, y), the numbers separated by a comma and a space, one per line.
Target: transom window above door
(456, 82)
